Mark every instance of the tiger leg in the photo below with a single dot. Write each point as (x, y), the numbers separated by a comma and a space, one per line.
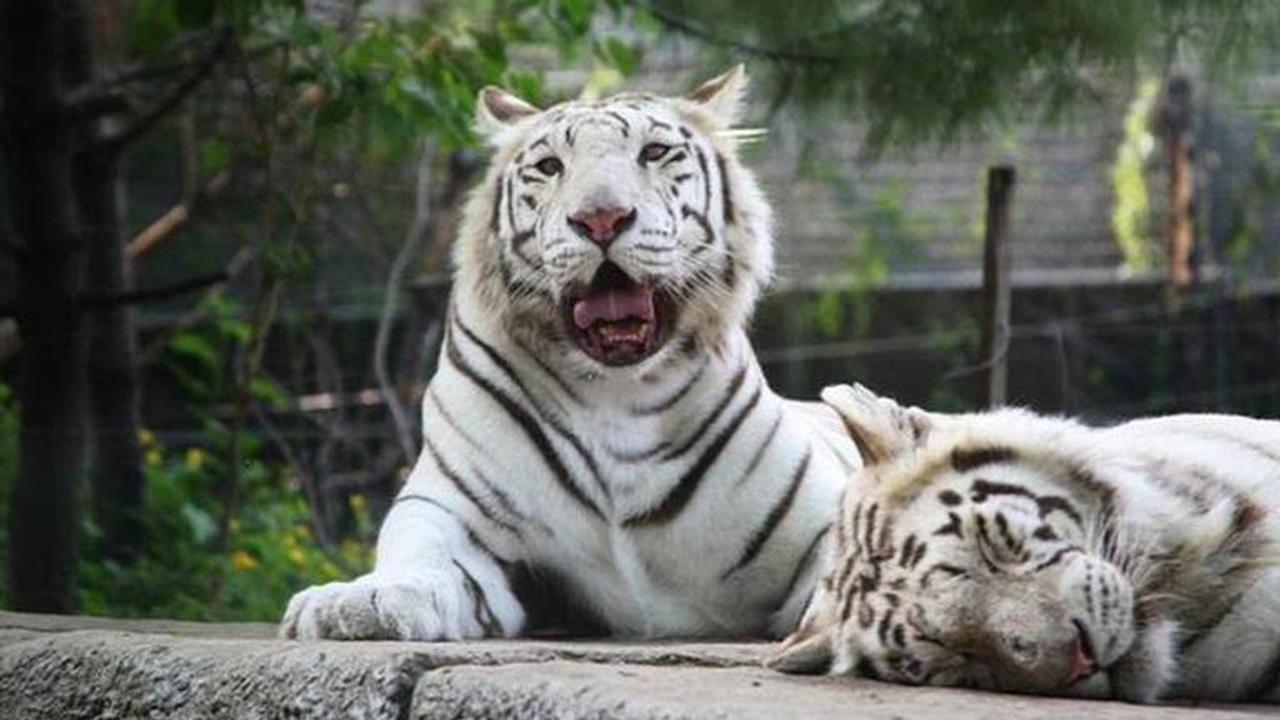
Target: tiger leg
(432, 581)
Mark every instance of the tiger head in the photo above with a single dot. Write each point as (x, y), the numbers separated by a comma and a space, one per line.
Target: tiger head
(617, 231)
(969, 552)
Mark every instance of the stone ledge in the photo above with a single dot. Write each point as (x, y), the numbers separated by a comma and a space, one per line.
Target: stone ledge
(73, 667)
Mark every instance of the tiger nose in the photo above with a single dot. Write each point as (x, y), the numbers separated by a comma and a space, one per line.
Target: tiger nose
(602, 225)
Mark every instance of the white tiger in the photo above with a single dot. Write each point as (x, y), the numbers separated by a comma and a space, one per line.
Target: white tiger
(602, 452)
(1011, 551)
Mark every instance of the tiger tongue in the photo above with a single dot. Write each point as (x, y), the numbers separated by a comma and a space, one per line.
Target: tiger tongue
(612, 305)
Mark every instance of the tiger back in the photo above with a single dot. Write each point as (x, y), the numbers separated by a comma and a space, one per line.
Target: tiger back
(1016, 552)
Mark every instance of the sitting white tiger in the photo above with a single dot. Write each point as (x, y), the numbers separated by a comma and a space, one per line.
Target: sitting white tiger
(602, 452)
(1016, 552)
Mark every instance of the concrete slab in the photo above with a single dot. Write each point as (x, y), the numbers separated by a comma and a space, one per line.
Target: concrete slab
(75, 667)
(557, 690)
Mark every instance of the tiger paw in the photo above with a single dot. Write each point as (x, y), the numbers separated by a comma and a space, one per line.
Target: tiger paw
(420, 607)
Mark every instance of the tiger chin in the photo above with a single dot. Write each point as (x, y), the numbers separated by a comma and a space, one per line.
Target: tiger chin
(1015, 552)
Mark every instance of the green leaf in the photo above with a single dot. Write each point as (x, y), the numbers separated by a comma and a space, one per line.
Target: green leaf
(269, 392)
(201, 523)
(620, 55)
(215, 156)
(195, 13)
(153, 26)
(196, 347)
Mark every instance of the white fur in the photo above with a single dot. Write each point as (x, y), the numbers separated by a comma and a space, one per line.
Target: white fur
(673, 578)
(1175, 579)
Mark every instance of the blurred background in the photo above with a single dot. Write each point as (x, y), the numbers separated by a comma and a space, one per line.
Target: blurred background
(224, 235)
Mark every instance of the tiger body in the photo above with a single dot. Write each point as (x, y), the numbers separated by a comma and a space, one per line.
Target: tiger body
(601, 450)
(1017, 552)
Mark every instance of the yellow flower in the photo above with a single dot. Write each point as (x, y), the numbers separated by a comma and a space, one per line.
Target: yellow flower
(154, 458)
(243, 561)
(146, 438)
(195, 459)
(297, 556)
(358, 504)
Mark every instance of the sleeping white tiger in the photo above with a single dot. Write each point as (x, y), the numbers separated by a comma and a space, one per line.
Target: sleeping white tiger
(602, 453)
(1016, 552)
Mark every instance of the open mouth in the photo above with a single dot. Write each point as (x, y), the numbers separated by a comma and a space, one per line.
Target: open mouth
(616, 320)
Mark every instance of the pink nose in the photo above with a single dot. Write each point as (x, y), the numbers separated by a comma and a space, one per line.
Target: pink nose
(602, 225)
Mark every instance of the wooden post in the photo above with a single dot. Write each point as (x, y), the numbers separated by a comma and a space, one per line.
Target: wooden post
(996, 291)
(1180, 227)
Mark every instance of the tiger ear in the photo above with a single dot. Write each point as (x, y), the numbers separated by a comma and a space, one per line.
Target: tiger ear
(806, 652)
(722, 95)
(497, 110)
(881, 428)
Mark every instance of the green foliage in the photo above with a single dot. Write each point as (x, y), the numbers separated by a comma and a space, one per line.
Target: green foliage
(182, 573)
(189, 569)
(1130, 217)
(931, 69)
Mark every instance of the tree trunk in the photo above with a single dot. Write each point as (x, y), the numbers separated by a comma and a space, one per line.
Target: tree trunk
(39, 141)
(116, 470)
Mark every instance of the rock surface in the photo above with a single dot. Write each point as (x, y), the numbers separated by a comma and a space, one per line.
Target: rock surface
(76, 667)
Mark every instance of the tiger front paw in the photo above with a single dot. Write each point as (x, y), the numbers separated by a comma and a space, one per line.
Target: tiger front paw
(424, 607)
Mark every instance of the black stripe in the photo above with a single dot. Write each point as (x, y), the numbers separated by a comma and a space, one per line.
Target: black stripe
(966, 459)
(760, 451)
(555, 377)
(706, 181)
(638, 455)
(434, 398)
(497, 206)
(686, 211)
(725, 193)
(454, 477)
(1056, 558)
(472, 535)
(511, 205)
(771, 521)
(587, 458)
(807, 558)
(679, 497)
(626, 126)
(951, 570)
(658, 124)
(982, 489)
(486, 619)
(710, 420)
(665, 405)
(528, 425)
(676, 157)
(1049, 503)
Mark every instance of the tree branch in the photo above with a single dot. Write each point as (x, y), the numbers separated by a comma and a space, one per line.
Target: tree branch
(686, 27)
(203, 68)
(137, 297)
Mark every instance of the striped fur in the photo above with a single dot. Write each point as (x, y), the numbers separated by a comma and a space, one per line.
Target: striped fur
(1015, 552)
(675, 496)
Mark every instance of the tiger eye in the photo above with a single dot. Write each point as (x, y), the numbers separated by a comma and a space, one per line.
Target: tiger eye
(653, 152)
(549, 166)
